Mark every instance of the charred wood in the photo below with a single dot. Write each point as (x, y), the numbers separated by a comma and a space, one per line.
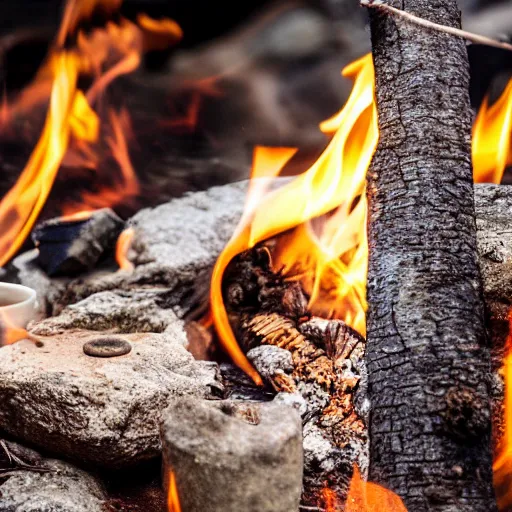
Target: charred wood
(321, 374)
(428, 358)
(70, 246)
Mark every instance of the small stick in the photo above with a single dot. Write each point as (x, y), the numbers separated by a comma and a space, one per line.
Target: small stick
(474, 38)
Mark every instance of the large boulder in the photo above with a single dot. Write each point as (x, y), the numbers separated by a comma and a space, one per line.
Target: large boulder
(102, 411)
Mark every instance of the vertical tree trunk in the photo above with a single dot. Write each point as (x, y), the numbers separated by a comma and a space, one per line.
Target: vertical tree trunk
(428, 360)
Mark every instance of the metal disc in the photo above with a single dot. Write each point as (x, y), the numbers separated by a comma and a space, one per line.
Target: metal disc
(107, 347)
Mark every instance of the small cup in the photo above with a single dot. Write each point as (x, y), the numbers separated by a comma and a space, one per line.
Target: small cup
(17, 304)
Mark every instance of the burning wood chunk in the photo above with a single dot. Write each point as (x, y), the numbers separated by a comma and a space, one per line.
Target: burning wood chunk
(324, 372)
(232, 456)
(327, 376)
(50, 485)
(72, 245)
(101, 411)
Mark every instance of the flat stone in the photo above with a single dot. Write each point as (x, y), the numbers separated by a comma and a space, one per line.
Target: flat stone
(229, 456)
(115, 311)
(64, 488)
(100, 411)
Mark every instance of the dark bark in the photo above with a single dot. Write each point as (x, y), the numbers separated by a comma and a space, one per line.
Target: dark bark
(428, 359)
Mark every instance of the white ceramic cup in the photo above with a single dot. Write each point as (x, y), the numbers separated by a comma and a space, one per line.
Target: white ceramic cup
(17, 304)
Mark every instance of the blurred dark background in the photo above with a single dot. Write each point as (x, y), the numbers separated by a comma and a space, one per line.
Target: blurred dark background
(246, 73)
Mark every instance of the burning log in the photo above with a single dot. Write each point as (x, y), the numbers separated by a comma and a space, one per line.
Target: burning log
(428, 359)
(72, 245)
(323, 370)
(233, 456)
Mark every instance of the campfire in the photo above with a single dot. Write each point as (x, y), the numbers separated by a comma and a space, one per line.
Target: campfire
(252, 303)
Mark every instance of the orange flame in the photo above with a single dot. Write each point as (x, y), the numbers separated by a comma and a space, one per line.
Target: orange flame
(369, 497)
(336, 181)
(9, 333)
(330, 499)
(105, 53)
(123, 245)
(491, 150)
(503, 462)
(67, 114)
(173, 501)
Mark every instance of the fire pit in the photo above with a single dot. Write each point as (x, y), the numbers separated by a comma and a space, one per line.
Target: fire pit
(204, 339)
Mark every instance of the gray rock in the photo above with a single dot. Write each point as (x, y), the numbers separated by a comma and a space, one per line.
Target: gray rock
(270, 360)
(115, 311)
(230, 456)
(174, 249)
(295, 400)
(326, 464)
(494, 237)
(101, 411)
(64, 488)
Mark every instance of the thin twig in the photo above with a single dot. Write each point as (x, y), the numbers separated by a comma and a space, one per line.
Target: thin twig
(474, 38)
(17, 464)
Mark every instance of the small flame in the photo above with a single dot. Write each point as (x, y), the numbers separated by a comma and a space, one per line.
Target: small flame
(9, 333)
(331, 264)
(123, 245)
(125, 184)
(173, 501)
(369, 497)
(491, 150)
(104, 53)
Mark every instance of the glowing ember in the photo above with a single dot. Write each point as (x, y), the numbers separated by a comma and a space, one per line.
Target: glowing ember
(369, 497)
(173, 501)
(491, 138)
(123, 245)
(103, 54)
(331, 261)
(330, 500)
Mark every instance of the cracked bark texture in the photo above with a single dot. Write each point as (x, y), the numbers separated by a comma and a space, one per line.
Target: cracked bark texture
(428, 358)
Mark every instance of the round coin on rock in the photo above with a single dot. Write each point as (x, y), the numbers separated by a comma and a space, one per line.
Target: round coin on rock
(107, 347)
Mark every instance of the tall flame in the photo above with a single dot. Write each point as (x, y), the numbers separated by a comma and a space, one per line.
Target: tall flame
(105, 53)
(173, 500)
(491, 148)
(68, 113)
(336, 181)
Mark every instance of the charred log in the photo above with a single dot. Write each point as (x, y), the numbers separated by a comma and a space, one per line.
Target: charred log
(322, 373)
(428, 359)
